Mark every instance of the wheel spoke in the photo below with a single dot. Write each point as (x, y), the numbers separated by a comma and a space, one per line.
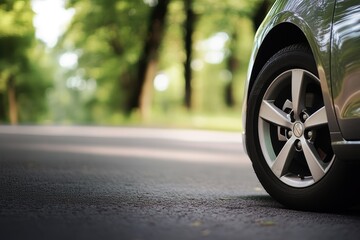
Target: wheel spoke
(317, 119)
(313, 160)
(269, 112)
(283, 159)
(297, 90)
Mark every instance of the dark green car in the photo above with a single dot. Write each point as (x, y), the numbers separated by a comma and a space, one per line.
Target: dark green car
(302, 107)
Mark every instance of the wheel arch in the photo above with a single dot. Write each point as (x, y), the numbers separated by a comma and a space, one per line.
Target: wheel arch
(289, 31)
(274, 42)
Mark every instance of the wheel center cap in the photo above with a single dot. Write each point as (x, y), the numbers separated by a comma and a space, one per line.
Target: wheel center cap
(298, 129)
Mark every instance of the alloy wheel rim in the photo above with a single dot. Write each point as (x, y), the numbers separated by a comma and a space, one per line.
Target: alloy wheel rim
(293, 130)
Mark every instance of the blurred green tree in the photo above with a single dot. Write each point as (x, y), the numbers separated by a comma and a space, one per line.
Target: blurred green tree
(221, 23)
(122, 45)
(117, 43)
(22, 79)
(149, 59)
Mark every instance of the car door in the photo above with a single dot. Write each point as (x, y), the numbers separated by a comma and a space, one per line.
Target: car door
(345, 67)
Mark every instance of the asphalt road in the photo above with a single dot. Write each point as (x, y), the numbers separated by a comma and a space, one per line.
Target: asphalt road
(139, 184)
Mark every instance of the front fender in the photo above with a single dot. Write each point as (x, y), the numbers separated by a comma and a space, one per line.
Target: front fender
(308, 21)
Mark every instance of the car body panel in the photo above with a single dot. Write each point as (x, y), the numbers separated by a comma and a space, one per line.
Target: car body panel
(345, 67)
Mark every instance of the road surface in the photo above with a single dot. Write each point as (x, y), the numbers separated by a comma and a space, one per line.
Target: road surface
(141, 183)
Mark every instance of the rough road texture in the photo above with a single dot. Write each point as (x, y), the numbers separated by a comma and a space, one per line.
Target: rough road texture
(129, 183)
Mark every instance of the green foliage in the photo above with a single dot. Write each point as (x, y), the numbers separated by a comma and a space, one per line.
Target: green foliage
(15, 13)
(16, 36)
(22, 60)
(32, 86)
(108, 37)
(231, 17)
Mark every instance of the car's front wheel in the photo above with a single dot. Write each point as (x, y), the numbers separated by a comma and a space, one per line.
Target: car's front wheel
(288, 138)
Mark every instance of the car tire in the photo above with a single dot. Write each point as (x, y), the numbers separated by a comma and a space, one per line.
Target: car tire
(288, 138)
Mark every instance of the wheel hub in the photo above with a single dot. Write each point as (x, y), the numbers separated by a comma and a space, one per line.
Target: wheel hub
(298, 129)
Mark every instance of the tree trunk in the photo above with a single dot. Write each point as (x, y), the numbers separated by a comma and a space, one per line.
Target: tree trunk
(146, 93)
(232, 65)
(189, 29)
(3, 107)
(140, 96)
(260, 13)
(13, 112)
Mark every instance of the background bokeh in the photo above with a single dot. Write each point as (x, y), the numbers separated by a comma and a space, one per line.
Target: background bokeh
(173, 63)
